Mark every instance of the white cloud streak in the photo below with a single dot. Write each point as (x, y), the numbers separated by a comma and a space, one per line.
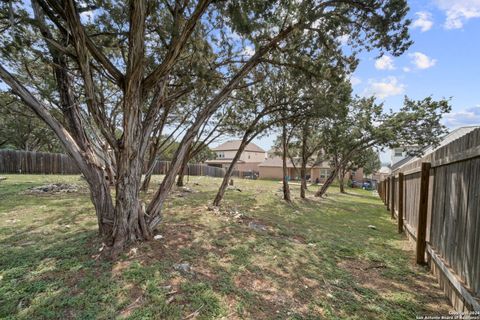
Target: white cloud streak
(458, 12)
(464, 117)
(384, 63)
(424, 21)
(384, 88)
(422, 61)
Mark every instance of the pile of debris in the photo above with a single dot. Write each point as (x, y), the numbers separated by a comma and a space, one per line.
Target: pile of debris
(54, 188)
(184, 191)
(226, 212)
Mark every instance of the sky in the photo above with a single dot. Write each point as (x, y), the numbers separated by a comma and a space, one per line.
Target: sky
(443, 62)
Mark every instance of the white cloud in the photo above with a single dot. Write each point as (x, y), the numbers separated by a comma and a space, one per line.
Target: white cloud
(424, 21)
(384, 63)
(422, 61)
(459, 11)
(384, 88)
(406, 69)
(464, 117)
(355, 81)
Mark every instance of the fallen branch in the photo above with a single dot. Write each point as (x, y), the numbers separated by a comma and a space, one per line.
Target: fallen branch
(194, 314)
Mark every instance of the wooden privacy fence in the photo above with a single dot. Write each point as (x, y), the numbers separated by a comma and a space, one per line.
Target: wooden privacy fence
(193, 169)
(436, 200)
(28, 162)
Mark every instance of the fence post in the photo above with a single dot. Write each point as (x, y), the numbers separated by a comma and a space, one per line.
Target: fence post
(385, 191)
(387, 195)
(380, 192)
(400, 202)
(392, 197)
(422, 213)
(382, 188)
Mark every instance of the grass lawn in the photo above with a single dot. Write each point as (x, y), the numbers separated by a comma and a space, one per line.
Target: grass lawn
(258, 258)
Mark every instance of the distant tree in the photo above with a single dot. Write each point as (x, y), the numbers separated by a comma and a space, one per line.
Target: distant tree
(21, 129)
(371, 163)
(198, 150)
(204, 154)
(367, 159)
(257, 109)
(365, 125)
(326, 102)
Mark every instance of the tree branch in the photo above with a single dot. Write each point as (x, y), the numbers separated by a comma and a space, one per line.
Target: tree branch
(29, 99)
(176, 46)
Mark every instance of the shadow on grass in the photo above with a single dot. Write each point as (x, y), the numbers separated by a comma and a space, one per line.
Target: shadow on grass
(315, 259)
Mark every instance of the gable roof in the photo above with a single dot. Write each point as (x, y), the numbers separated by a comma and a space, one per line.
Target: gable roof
(449, 137)
(233, 145)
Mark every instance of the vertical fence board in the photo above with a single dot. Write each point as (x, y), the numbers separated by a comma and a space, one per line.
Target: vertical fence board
(472, 250)
(400, 202)
(462, 197)
(422, 213)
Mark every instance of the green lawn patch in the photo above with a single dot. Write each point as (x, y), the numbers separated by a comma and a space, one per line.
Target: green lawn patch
(258, 258)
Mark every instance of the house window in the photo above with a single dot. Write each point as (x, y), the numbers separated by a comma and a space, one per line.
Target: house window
(249, 156)
(398, 152)
(220, 155)
(324, 173)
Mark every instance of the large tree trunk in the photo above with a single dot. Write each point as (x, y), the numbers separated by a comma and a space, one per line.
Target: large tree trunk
(154, 209)
(129, 221)
(150, 167)
(181, 173)
(228, 173)
(341, 179)
(148, 174)
(286, 187)
(101, 198)
(327, 183)
(303, 183)
(303, 168)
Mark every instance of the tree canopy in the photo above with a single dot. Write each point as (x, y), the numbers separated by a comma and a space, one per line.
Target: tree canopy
(107, 76)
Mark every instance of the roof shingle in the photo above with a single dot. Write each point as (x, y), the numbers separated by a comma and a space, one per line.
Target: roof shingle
(235, 144)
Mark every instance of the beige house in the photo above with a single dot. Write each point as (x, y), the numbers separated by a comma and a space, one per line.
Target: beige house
(249, 160)
(272, 169)
(381, 174)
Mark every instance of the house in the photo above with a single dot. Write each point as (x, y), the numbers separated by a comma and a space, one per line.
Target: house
(381, 174)
(453, 135)
(272, 168)
(249, 160)
(400, 153)
(356, 175)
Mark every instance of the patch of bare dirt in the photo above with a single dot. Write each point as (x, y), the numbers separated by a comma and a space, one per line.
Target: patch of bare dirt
(421, 286)
(136, 296)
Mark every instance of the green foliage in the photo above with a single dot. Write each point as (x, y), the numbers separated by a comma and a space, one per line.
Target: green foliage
(366, 125)
(204, 154)
(212, 52)
(21, 129)
(371, 161)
